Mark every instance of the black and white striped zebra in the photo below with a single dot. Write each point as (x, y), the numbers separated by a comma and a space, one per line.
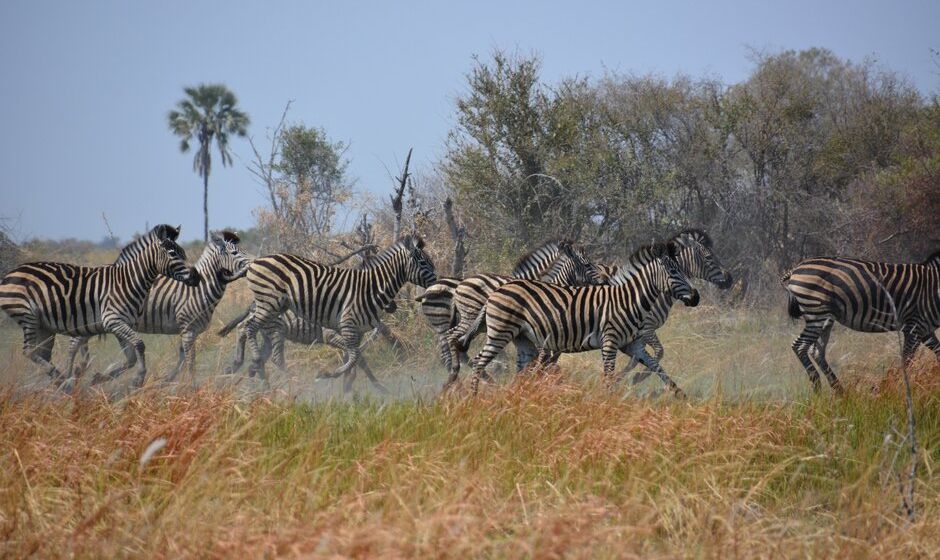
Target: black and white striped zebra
(48, 298)
(557, 262)
(437, 306)
(346, 300)
(697, 260)
(865, 296)
(176, 308)
(580, 318)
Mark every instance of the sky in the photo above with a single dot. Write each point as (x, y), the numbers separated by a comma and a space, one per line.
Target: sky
(85, 86)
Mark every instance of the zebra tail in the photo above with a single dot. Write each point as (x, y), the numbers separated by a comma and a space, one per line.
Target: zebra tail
(793, 307)
(235, 322)
(465, 339)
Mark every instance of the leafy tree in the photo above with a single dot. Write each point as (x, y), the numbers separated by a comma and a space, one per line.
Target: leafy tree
(305, 176)
(208, 112)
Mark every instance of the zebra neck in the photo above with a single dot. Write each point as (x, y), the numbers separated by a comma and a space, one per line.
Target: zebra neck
(390, 277)
(211, 285)
(137, 277)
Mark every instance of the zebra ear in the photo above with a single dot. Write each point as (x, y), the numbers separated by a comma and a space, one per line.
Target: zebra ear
(419, 241)
(230, 237)
(216, 239)
(672, 249)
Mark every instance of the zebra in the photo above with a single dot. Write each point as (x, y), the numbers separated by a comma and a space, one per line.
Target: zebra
(289, 327)
(49, 298)
(865, 296)
(346, 300)
(437, 306)
(697, 259)
(175, 308)
(555, 261)
(580, 318)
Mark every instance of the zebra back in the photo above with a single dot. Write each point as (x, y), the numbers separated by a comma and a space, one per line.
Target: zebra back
(330, 296)
(78, 300)
(859, 294)
(577, 318)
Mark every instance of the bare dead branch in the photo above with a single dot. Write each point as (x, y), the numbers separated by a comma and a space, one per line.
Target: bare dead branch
(397, 206)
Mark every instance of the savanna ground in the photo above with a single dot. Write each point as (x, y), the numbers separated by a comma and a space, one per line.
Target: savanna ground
(752, 464)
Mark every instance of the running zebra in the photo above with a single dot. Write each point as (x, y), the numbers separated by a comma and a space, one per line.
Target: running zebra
(865, 296)
(697, 259)
(176, 308)
(580, 318)
(437, 306)
(47, 298)
(346, 300)
(556, 262)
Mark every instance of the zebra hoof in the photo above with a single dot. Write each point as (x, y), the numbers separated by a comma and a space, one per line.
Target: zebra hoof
(98, 379)
(678, 393)
(68, 385)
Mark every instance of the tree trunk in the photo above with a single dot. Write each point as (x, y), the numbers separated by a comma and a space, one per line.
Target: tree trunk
(205, 207)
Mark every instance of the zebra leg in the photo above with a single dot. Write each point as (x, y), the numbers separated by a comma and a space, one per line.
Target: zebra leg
(241, 338)
(804, 342)
(260, 320)
(351, 337)
(932, 343)
(443, 346)
(914, 334)
(495, 343)
(187, 356)
(609, 358)
(375, 382)
(818, 353)
(38, 348)
(526, 352)
(649, 338)
(638, 348)
(274, 346)
(653, 341)
(133, 348)
(78, 348)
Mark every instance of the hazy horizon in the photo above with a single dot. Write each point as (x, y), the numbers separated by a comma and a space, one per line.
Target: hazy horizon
(87, 87)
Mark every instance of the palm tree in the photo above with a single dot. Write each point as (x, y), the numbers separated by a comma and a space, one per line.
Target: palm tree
(208, 111)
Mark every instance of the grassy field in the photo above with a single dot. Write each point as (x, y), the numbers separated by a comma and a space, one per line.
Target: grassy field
(751, 465)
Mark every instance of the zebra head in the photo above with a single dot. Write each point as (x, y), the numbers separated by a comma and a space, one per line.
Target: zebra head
(698, 260)
(171, 261)
(419, 269)
(224, 257)
(571, 268)
(670, 276)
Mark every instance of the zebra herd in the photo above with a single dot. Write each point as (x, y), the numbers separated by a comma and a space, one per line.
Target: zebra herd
(554, 301)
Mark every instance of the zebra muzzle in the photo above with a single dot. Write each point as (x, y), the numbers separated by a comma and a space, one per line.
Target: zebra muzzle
(692, 299)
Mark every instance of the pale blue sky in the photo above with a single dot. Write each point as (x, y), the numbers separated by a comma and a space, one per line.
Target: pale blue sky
(85, 86)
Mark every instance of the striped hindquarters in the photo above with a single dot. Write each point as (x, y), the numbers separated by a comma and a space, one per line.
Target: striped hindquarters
(859, 294)
(437, 304)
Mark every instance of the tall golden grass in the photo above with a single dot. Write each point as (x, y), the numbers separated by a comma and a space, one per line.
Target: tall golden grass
(751, 465)
(536, 468)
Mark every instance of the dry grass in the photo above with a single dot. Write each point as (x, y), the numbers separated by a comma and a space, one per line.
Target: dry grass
(532, 469)
(751, 465)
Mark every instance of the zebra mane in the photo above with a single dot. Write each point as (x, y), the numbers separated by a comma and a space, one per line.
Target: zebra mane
(521, 261)
(159, 232)
(934, 258)
(639, 259)
(408, 242)
(695, 233)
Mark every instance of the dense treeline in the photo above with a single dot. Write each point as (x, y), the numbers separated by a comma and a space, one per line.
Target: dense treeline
(810, 155)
